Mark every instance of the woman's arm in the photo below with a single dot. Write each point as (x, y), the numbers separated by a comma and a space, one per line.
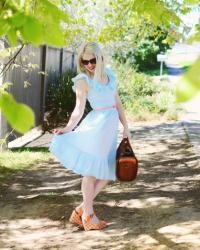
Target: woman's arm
(81, 93)
(122, 117)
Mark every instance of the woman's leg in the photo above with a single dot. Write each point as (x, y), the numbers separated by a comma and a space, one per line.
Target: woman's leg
(98, 186)
(88, 189)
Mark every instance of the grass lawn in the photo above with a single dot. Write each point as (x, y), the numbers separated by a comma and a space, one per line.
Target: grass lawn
(156, 72)
(19, 159)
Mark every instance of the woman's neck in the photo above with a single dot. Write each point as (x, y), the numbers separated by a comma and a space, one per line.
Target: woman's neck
(91, 75)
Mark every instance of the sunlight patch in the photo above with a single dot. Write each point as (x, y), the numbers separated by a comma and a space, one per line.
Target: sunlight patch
(143, 203)
(186, 232)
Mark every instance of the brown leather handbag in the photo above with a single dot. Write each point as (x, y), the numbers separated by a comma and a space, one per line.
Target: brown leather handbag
(126, 161)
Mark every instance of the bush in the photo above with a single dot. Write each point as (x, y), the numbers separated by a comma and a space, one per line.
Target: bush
(60, 100)
(142, 97)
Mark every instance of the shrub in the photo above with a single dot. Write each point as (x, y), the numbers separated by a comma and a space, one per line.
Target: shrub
(142, 97)
(60, 100)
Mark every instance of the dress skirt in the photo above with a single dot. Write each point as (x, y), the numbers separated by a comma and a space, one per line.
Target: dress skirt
(90, 149)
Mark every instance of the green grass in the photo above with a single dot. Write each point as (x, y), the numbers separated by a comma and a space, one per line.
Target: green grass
(156, 72)
(15, 160)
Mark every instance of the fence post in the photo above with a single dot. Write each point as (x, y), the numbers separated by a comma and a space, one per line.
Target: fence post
(61, 62)
(72, 62)
(42, 90)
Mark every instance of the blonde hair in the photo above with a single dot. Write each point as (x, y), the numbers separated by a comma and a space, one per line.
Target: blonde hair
(92, 48)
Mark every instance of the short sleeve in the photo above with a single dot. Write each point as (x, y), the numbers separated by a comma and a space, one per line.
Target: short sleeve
(79, 76)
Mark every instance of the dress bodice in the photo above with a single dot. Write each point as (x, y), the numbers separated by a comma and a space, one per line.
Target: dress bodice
(99, 95)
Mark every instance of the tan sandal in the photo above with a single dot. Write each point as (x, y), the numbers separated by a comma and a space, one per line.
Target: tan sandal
(87, 225)
(102, 221)
(75, 217)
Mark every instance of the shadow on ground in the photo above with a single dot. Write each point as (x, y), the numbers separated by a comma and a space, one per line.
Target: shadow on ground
(161, 210)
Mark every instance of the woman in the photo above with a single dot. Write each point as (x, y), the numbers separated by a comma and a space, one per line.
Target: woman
(90, 149)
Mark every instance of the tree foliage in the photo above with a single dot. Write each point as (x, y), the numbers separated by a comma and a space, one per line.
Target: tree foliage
(29, 21)
(33, 22)
(123, 18)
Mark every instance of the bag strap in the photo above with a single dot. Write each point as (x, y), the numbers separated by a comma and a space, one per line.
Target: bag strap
(124, 148)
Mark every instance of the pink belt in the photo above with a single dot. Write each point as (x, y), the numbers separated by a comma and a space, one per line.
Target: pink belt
(108, 107)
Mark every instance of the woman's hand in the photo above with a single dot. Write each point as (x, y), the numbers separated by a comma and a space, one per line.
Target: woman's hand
(60, 131)
(126, 133)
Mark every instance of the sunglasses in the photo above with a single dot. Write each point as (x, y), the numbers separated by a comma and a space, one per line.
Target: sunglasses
(86, 62)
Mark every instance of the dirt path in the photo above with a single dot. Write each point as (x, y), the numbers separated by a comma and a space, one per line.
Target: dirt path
(160, 211)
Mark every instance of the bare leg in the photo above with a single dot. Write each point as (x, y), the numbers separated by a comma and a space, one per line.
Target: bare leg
(98, 186)
(87, 188)
(90, 188)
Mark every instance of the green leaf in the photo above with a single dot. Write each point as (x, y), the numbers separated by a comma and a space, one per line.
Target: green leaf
(53, 11)
(56, 37)
(4, 27)
(185, 90)
(189, 84)
(32, 31)
(19, 115)
(18, 19)
(36, 22)
(12, 36)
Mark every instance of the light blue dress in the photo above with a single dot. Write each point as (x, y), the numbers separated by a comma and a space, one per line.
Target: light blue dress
(90, 149)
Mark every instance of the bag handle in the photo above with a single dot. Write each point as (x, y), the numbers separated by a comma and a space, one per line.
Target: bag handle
(124, 148)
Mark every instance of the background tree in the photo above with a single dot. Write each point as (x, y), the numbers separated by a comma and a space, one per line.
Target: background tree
(143, 56)
(124, 17)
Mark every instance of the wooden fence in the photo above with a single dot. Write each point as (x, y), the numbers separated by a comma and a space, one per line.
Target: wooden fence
(30, 84)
